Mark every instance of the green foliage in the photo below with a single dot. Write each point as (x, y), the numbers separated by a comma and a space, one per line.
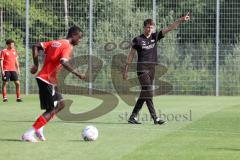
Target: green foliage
(209, 131)
(188, 52)
(230, 72)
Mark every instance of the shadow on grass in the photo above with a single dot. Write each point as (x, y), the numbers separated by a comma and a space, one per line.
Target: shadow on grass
(83, 122)
(15, 121)
(10, 140)
(226, 149)
(77, 140)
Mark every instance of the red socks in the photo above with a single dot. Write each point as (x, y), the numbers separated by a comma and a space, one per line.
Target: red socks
(4, 92)
(41, 121)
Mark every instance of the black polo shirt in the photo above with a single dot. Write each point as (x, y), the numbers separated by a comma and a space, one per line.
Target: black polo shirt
(147, 47)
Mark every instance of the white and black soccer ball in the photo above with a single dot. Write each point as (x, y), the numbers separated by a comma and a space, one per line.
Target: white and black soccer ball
(90, 133)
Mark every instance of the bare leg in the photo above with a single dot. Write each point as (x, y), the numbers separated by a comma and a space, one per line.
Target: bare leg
(4, 89)
(48, 115)
(17, 85)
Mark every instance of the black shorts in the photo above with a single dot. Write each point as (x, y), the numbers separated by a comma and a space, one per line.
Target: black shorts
(47, 95)
(10, 76)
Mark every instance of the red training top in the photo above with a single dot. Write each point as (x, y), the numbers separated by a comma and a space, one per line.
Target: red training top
(9, 57)
(55, 51)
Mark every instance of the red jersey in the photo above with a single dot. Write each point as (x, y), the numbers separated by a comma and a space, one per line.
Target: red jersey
(55, 51)
(9, 58)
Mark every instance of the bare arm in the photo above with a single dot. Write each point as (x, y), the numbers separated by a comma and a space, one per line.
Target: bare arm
(1, 62)
(175, 24)
(68, 67)
(129, 61)
(35, 51)
(17, 66)
(2, 71)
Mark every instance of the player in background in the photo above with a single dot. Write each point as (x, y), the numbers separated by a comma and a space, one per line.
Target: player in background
(57, 54)
(145, 46)
(10, 69)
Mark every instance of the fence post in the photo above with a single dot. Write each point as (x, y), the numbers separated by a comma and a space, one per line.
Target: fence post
(154, 10)
(90, 46)
(1, 21)
(27, 50)
(66, 14)
(217, 45)
(155, 20)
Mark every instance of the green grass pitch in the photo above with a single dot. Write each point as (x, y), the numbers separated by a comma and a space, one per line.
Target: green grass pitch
(207, 128)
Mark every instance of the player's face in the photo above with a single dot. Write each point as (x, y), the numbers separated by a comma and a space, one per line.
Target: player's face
(10, 46)
(77, 38)
(148, 29)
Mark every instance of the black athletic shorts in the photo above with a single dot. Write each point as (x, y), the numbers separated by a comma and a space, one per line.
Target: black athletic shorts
(47, 95)
(10, 76)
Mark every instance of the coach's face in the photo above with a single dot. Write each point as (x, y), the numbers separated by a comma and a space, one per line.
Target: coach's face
(148, 30)
(76, 38)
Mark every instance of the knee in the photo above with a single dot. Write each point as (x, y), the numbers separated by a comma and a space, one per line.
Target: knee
(49, 111)
(61, 105)
(17, 83)
(4, 84)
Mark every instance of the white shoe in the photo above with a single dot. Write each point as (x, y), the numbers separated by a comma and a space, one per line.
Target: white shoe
(29, 138)
(40, 135)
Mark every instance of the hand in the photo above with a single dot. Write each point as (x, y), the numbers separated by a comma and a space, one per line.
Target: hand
(81, 76)
(4, 76)
(34, 69)
(185, 18)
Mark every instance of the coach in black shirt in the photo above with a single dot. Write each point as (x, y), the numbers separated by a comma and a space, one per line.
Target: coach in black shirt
(146, 47)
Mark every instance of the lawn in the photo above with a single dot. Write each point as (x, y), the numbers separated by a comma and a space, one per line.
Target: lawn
(198, 128)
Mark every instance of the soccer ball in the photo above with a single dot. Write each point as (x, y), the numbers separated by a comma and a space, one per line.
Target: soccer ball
(90, 133)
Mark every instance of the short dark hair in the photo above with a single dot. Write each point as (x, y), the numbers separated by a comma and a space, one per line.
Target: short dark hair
(148, 21)
(73, 30)
(9, 41)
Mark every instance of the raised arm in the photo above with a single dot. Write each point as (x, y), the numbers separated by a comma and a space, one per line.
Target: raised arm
(175, 24)
(129, 61)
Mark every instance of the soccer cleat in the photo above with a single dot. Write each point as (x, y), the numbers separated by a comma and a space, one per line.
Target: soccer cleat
(19, 100)
(5, 100)
(159, 121)
(29, 138)
(40, 135)
(133, 120)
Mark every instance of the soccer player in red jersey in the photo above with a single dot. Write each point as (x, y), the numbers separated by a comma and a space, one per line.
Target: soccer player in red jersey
(10, 69)
(57, 54)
